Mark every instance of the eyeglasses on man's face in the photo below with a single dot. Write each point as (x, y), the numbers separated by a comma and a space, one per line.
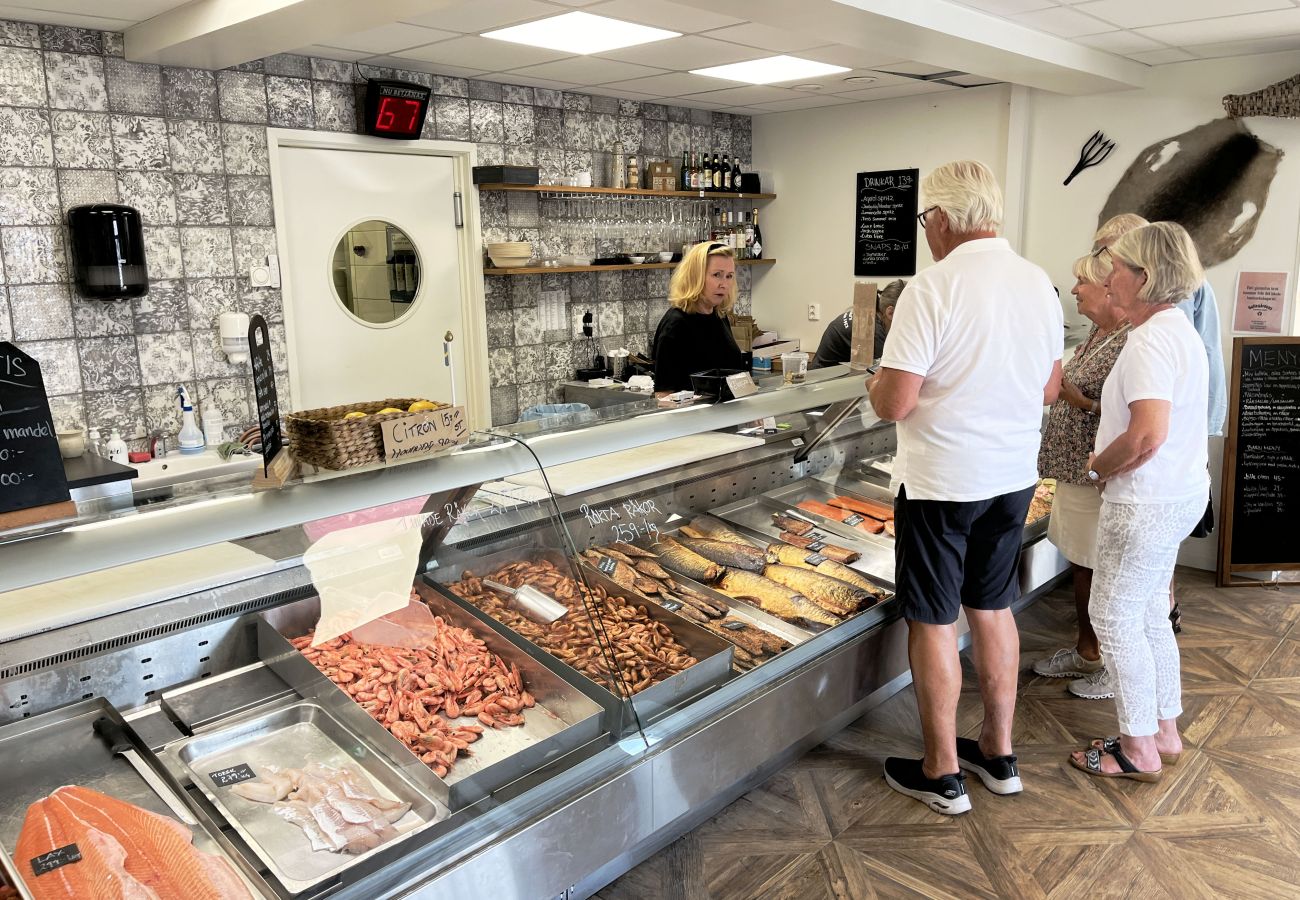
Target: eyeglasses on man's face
(920, 217)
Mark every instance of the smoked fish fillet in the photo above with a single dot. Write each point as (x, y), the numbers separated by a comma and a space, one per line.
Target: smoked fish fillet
(149, 855)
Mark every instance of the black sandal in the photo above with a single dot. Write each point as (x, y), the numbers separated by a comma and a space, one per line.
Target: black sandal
(1092, 765)
(1176, 618)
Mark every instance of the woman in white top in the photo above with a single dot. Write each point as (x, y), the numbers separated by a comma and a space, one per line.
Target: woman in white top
(1150, 464)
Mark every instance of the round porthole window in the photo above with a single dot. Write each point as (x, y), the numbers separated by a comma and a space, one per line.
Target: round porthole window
(375, 271)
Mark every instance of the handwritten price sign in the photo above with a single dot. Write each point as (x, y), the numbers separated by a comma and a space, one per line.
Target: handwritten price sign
(425, 433)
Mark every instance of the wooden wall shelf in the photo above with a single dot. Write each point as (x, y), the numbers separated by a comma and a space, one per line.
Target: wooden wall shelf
(623, 192)
(560, 270)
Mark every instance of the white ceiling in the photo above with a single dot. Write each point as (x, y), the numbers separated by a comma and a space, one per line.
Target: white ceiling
(1156, 32)
(442, 37)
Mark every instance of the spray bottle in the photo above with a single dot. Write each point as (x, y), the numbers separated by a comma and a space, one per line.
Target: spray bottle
(191, 438)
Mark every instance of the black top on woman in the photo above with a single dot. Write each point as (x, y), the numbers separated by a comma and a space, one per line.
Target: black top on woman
(693, 336)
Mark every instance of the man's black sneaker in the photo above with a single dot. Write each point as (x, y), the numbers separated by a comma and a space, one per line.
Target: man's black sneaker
(999, 773)
(946, 794)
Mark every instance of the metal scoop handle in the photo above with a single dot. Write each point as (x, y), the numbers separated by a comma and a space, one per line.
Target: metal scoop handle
(532, 602)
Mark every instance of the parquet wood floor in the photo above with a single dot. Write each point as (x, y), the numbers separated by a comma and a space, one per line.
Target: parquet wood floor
(1223, 822)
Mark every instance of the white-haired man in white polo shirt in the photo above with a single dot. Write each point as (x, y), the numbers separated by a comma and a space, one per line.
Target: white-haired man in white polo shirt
(973, 355)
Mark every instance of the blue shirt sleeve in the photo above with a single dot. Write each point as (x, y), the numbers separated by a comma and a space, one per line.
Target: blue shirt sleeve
(1203, 309)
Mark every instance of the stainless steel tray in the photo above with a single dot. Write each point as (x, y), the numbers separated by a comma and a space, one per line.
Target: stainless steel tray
(712, 652)
(59, 748)
(293, 736)
(754, 515)
(562, 721)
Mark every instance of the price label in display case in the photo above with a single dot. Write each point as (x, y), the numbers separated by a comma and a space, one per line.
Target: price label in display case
(395, 109)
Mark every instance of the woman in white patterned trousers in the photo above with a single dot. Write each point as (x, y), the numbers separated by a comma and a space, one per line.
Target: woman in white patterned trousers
(1150, 464)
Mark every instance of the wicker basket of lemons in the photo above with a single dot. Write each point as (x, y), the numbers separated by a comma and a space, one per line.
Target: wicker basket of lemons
(345, 437)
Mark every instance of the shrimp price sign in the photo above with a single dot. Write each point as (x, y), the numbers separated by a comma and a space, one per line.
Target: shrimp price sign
(424, 433)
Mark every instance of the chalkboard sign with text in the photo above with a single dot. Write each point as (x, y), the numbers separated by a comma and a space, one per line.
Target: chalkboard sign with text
(884, 240)
(268, 406)
(31, 469)
(1261, 459)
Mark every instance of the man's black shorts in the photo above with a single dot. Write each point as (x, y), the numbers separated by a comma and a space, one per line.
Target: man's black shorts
(950, 554)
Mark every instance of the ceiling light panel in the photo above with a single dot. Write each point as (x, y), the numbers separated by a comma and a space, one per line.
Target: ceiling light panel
(581, 33)
(771, 70)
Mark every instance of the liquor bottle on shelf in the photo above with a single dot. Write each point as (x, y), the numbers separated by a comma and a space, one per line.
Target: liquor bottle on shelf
(684, 176)
(738, 237)
(726, 172)
(717, 173)
(735, 174)
(706, 174)
(695, 173)
(757, 246)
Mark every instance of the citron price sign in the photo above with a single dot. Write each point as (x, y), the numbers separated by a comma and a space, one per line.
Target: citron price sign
(424, 433)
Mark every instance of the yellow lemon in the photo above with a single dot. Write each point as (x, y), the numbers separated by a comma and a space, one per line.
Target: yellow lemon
(355, 414)
(421, 406)
(389, 409)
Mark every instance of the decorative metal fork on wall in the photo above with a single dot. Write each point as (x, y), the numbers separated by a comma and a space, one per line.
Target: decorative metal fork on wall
(1094, 153)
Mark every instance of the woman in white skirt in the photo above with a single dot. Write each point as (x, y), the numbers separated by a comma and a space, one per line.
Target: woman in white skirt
(1150, 465)
(1068, 439)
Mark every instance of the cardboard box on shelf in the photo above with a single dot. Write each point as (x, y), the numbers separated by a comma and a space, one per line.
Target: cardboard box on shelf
(744, 331)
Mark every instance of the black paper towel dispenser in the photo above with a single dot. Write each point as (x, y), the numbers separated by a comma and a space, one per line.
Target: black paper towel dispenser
(107, 251)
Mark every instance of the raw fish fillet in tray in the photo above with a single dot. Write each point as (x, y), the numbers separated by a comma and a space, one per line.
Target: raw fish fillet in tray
(319, 800)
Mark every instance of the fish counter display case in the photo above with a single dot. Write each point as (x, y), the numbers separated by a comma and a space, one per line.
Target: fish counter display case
(449, 677)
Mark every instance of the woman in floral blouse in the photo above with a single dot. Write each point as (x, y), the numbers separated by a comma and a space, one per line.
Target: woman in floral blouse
(1067, 440)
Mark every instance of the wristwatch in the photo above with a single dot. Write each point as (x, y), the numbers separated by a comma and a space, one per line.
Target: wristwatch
(1093, 476)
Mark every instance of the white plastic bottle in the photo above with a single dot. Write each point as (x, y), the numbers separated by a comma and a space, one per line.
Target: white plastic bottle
(191, 438)
(213, 425)
(95, 443)
(116, 448)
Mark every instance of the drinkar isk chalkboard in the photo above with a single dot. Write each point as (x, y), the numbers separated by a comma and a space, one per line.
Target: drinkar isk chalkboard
(884, 243)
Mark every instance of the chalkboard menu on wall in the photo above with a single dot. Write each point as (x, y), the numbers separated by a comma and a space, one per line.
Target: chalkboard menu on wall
(31, 470)
(1261, 459)
(884, 241)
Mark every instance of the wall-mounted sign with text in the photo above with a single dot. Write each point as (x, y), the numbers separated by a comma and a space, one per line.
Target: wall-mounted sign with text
(884, 240)
(1261, 306)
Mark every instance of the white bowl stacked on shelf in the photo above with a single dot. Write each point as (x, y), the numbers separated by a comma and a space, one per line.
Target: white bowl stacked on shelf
(510, 254)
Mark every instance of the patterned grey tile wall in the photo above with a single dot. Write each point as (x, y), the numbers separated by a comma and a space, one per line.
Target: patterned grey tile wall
(187, 148)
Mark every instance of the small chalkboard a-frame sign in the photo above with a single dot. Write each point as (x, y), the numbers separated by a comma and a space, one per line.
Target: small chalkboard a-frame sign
(33, 486)
(1261, 460)
(277, 467)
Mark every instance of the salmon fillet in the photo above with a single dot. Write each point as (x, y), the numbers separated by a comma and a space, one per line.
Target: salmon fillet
(865, 507)
(100, 873)
(149, 855)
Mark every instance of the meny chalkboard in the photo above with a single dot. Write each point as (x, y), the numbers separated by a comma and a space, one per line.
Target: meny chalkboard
(31, 470)
(884, 240)
(1261, 460)
(268, 405)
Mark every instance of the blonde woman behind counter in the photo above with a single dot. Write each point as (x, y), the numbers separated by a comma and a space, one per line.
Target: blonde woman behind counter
(693, 335)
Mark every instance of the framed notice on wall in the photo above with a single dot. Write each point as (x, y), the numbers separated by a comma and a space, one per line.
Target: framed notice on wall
(1261, 306)
(885, 233)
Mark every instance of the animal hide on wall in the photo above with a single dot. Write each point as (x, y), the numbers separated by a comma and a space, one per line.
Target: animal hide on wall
(1212, 180)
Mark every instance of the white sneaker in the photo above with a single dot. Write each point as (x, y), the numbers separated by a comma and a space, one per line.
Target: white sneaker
(1066, 663)
(1097, 686)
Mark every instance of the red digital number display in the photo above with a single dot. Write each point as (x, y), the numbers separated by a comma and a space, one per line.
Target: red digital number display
(398, 115)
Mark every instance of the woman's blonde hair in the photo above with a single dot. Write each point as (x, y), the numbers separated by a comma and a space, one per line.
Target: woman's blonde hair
(1164, 250)
(1115, 227)
(687, 285)
(1090, 268)
(967, 193)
